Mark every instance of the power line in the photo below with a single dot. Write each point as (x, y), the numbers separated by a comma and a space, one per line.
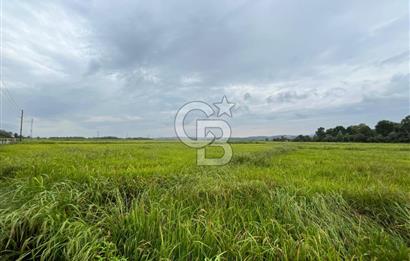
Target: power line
(3, 90)
(1, 104)
(1, 57)
(21, 125)
(7, 92)
(31, 128)
(1, 64)
(9, 95)
(17, 109)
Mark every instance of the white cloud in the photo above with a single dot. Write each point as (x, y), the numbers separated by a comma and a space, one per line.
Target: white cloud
(191, 79)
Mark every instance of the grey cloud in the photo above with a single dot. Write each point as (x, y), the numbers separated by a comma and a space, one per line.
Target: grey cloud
(335, 92)
(73, 60)
(247, 96)
(402, 57)
(288, 96)
(399, 84)
(227, 41)
(301, 115)
(93, 67)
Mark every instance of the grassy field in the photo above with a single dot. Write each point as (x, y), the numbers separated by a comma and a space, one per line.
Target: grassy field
(149, 200)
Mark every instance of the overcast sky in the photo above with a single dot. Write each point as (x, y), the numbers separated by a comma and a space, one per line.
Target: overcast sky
(125, 67)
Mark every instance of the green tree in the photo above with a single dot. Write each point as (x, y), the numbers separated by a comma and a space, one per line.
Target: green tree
(320, 133)
(5, 134)
(302, 138)
(362, 129)
(393, 136)
(335, 131)
(339, 129)
(385, 127)
(340, 137)
(330, 132)
(405, 125)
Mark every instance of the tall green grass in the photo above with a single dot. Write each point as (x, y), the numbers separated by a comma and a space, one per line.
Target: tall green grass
(150, 201)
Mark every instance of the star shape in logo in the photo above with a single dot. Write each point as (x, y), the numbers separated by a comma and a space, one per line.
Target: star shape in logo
(224, 107)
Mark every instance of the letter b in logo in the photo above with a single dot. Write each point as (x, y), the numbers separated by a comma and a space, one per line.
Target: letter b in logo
(204, 133)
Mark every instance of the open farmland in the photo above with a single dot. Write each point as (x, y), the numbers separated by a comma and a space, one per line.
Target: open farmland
(149, 200)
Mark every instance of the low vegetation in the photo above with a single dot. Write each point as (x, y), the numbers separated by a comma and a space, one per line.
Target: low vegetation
(384, 131)
(148, 200)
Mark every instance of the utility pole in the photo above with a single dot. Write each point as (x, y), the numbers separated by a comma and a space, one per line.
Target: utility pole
(31, 128)
(21, 125)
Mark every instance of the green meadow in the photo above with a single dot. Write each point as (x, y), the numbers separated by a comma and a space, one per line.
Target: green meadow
(148, 200)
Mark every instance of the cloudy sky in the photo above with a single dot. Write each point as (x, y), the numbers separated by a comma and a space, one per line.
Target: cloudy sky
(125, 67)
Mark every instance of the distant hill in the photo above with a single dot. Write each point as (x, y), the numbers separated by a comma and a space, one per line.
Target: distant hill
(250, 138)
(263, 138)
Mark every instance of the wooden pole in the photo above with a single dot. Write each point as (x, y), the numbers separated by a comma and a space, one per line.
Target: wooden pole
(21, 125)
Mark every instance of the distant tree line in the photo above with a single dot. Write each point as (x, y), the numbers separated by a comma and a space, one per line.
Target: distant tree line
(283, 138)
(8, 134)
(97, 138)
(384, 131)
